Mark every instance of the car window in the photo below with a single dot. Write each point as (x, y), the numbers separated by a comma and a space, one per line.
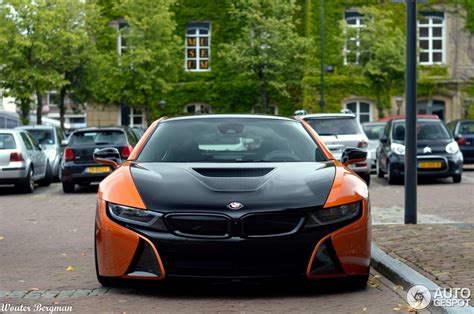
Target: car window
(43, 136)
(3, 121)
(33, 141)
(132, 140)
(11, 124)
(451, 126)
(374, 131)
(335, 126)
(230, 140)
(7, 141)
(98, 137)
(425, 130)
(466, 128)
(26, 141)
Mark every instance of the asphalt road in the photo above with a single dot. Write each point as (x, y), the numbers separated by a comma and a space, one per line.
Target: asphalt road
(46, 256)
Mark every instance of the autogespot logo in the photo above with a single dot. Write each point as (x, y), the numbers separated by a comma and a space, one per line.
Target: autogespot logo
(419, 297)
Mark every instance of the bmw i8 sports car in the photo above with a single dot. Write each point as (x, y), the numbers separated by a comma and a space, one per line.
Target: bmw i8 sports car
(232, 197)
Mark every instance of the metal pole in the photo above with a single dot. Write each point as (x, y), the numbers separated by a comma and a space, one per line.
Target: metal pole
(410, 134)
(321, 102)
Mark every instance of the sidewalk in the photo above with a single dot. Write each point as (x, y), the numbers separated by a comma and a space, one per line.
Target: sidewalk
(443, 253)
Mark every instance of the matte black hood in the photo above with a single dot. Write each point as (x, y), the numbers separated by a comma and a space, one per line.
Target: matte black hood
(168, 187)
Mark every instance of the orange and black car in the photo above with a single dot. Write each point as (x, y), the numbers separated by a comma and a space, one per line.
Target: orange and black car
(232, 197)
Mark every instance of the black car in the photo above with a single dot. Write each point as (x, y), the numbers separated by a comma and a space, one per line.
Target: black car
(463, 132)
(78, 165)
(438, 154)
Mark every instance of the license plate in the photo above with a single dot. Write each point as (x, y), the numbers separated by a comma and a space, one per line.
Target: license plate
(97, 169)
(429, 164)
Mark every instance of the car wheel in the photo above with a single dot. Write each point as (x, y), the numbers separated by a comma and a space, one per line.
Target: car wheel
(48, 177)
(380, 173)
(28, 186)
(104, 281)
(366, 178)
(68, 187)
(392, 179)
(457, 178)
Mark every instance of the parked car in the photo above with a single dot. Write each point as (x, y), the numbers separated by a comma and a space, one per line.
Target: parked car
(138, 131)
(438, 154)
(78, 165)
(22, 162)
(188, 206)
(9, 120)
(340, 131)
(51, 140)
(374, 131)
(463, 132)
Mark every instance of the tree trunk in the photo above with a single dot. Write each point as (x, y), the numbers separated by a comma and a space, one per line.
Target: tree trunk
(379, 104)
(62, 109)
(25, 110)
(39, 108)
(265, 99)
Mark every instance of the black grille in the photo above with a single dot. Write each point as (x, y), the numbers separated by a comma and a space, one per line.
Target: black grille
(145, 260)
(199, 225)
(233, 172)
(271, 224)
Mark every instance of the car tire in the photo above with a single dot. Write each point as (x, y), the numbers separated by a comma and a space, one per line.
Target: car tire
(380, 173)
(48, 176)
(366, 178)
(28, 186)
(357, 282)
(457, 178)
(392, 179)
(68, 187)
(104, 281)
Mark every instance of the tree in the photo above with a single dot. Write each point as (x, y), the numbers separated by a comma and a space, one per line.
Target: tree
(149, 65)
(382, 52)
(29, 36)
(268, 49)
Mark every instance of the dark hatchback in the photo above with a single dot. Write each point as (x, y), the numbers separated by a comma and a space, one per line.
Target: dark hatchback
(78, 165)
(463, 132)
(438, 154)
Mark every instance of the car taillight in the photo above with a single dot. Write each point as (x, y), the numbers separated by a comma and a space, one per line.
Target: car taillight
(461, 141)
(68, 154)
(363, 144)
(16, 157)
(126, 151)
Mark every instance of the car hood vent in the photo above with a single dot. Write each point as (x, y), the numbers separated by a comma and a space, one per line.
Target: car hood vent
(233, 172)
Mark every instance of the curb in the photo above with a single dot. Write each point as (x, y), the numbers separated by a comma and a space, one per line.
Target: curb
(405, 276)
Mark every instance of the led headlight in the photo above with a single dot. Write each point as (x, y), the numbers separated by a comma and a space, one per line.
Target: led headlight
(452, 148)
(137, 216)
(398, 149)
(333, 214)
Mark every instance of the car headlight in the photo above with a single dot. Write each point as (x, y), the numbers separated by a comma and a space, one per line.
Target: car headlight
(398, 149)
(137, 216)
(452, 148)
(333, 214)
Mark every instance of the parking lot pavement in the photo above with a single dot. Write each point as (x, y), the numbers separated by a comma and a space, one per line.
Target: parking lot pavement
(46, 257)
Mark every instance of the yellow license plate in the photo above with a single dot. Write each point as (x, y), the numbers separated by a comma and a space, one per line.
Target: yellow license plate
(430, 164)
(97, 169)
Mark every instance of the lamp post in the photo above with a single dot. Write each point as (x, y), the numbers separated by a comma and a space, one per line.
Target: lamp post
(399, 103)
(467, 104)
(321, 101)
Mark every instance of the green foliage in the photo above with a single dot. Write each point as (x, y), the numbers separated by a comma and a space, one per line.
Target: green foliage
(267, 50)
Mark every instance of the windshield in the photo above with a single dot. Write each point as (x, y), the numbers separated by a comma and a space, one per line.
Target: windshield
(466, 128)
(335, 126)
(230, 140)
(43, 137)
(98, 138)
(7, 141)
(374, 131)
(425, 130)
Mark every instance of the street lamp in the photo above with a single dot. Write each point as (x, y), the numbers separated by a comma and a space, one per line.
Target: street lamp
(467, 104)
(321, 101)
(398, 102)
(162, 104)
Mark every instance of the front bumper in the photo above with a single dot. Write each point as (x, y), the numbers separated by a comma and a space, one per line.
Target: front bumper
(451, 165)
(328, 251)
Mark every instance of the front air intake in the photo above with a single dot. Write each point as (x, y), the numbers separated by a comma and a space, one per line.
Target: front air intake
(233, 172)
(145, 262)
(326, 262)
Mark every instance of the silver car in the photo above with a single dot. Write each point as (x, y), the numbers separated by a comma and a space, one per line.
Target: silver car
(339, 131)
(374, 131)
(51, 140)
(22, 162)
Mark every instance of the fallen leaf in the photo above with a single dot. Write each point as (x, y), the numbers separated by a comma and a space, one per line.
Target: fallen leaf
(34, 289)
(364, 309)
(63, 254)
(83, 254)
(69, 268)
(1, 238)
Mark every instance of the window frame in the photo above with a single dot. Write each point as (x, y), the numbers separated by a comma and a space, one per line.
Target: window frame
(357, 113)
(197, 27)
(358, 26)
(430, 17)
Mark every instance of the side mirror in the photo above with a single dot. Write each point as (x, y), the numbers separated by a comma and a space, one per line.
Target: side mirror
(64, 143)
(352, 155)
(457, 137)
(383, 139)
(108, 156)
